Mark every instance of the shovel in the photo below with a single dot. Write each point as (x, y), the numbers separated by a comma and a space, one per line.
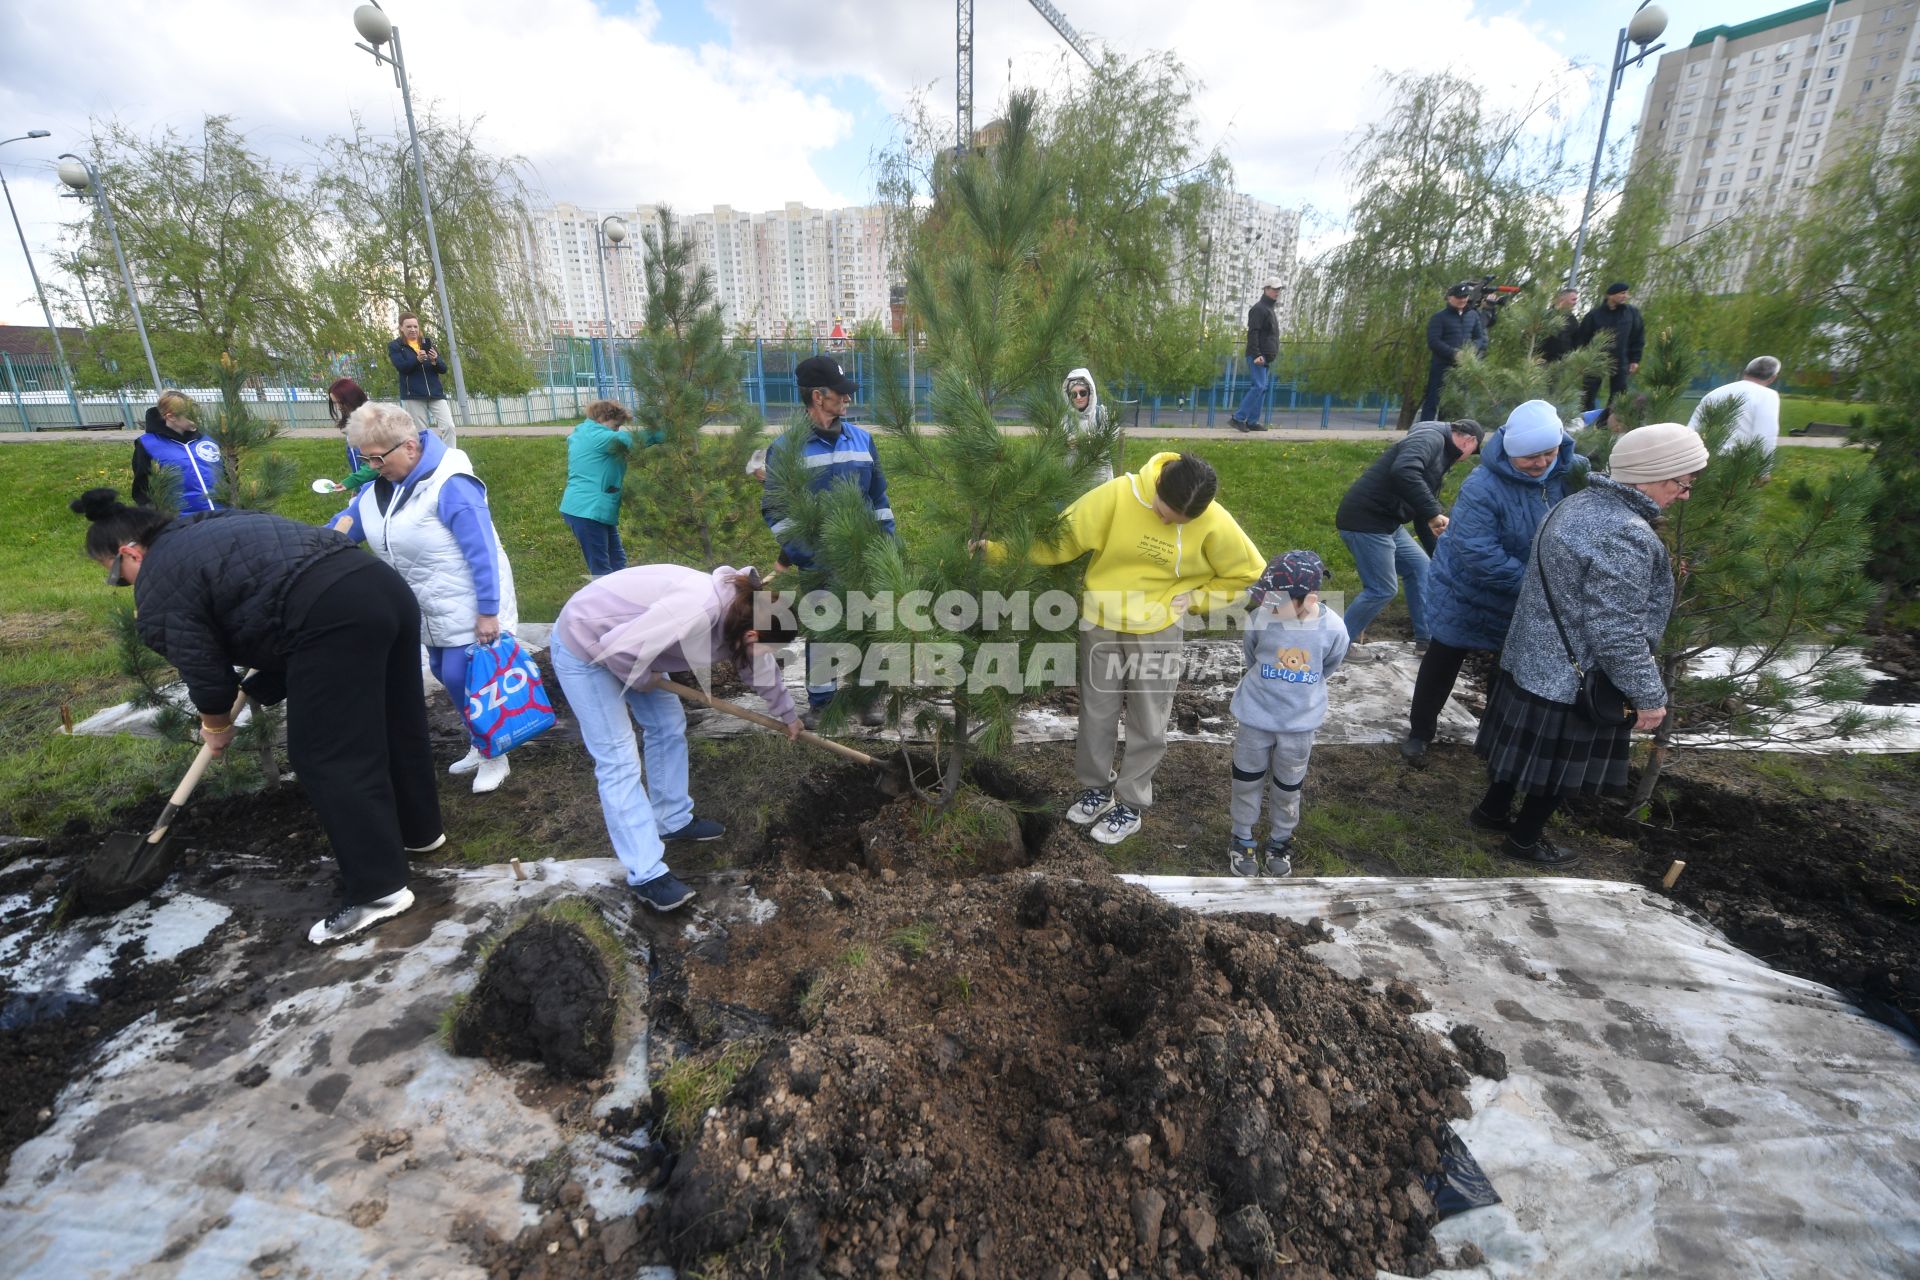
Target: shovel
(702, 698)
(128, 867)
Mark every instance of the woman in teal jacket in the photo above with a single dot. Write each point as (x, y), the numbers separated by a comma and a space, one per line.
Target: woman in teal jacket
(596, 472)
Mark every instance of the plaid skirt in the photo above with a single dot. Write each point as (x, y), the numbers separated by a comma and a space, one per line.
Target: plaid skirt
(1547, 748)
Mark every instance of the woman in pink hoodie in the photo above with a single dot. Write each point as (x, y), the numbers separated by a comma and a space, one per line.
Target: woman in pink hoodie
(614, 642)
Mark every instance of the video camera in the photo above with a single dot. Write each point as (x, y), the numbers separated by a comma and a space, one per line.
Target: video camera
(1484, 293)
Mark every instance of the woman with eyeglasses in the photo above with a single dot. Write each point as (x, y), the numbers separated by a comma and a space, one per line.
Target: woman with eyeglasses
(1600, 574)
(334, 633)
(1086, 423)
(426, 514)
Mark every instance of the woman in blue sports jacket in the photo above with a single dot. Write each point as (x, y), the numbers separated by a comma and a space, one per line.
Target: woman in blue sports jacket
(173, 441)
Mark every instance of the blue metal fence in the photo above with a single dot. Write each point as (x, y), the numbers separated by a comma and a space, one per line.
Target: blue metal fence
(571, 372)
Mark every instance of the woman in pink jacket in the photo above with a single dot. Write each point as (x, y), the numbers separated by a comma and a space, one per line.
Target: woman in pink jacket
(614, 642)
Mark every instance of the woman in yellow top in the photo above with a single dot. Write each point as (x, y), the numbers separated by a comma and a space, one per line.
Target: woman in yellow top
(1162, 548)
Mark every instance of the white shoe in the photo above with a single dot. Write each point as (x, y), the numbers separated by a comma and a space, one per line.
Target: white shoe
(429, 846)
(490, 775)
(351, 920)
(1116, 824)
(467, 763)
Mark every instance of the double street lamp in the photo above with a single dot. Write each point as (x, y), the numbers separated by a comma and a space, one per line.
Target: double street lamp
(83, 178)
(612, 231)
(377, 30)
(1648, 21)
(53, 331)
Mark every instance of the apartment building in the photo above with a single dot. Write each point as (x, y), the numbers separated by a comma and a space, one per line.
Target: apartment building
(1245, 241)
(1752, 115)
(791, 271)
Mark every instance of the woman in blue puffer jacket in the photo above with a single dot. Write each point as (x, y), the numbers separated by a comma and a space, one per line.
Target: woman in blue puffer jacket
(1475, 580)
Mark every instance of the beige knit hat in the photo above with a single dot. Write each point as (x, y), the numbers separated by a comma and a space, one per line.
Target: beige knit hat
(1662, 451)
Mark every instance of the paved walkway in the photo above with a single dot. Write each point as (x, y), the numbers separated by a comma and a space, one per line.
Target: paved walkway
(1293, 435)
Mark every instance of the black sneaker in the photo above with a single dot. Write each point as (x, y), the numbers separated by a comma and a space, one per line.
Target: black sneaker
(1541, 853)
(1414, 752)
(351, 919)
(1478, 817)
(1242, 860)
(810, 719)
(875, 716)
(1256, 426)
(663, 893)
(1279, 858)
(700, 829)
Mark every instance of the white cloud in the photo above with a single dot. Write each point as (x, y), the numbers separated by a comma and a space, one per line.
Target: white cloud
(610, 114)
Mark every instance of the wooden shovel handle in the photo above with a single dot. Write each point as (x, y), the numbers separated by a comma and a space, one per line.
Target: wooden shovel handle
(702, 698)
(184, 792)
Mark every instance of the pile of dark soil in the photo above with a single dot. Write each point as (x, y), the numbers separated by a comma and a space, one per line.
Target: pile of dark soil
(546, 994)
(1034, 1075)
(1818, 889)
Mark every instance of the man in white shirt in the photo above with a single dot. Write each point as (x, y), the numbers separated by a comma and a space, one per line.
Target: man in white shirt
(1759, 416)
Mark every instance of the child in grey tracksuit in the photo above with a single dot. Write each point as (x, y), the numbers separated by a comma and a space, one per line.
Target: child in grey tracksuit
(1293, 643)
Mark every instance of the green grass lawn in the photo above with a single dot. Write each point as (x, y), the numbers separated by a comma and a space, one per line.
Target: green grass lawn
(1798, 411)
(57, 646)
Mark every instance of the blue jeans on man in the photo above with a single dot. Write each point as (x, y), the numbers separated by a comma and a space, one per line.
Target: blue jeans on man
(1255, 400)
(1384, 561)
(599, 542)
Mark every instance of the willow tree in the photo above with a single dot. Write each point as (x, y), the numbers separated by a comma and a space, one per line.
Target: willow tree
(1444, 189)
(380, 264)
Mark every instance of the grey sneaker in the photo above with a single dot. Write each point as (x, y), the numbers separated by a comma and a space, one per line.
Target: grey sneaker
(1241, 859)
(1414, 752)
(350, 920)
(1092, 803)
(1279, 859)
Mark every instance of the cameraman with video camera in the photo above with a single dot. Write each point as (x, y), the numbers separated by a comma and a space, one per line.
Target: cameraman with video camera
(1451, 328)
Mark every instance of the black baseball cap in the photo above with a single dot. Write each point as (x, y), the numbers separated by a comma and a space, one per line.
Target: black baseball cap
(823, 371)
(1459, 291)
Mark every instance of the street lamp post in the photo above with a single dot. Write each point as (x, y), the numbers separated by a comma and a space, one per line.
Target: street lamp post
(612, 231)
(377, 29)
(53, 331)
(1648, 21)
(82, 177)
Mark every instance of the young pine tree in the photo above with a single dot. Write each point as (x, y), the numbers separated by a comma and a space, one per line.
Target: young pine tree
(999, 323)
(688, 498)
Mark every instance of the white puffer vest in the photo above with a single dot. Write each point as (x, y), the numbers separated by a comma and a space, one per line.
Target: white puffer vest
(410, 536)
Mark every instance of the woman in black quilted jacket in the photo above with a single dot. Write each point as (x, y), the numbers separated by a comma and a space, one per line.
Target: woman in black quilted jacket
(333, 632)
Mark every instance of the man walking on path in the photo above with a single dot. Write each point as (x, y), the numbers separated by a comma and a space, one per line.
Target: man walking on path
(1263, 348)
(1759, 416)
(1449, 330)
(420, 367)
(1622, 319)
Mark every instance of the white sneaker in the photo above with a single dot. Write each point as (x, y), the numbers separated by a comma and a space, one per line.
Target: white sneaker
(490, 775)
(1089, 805)
(429, 846)
(1117, 824)
(351, 920)
(467, 763)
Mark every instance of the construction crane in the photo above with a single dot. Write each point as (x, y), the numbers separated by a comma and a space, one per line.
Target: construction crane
(963, 60)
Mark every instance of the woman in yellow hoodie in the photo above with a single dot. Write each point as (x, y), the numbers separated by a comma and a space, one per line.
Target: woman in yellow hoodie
(1162, 548)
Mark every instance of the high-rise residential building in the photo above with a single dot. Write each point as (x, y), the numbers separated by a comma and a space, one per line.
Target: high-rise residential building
(1245, 242)
(792, 271)
(1752, 115)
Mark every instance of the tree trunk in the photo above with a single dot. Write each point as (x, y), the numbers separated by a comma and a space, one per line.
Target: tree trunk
(265, 723)
(956, 761)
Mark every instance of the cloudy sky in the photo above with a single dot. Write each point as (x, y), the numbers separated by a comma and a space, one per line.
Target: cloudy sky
(756, 102)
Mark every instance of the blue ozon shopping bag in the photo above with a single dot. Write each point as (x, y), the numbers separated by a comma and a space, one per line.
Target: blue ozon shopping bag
(507, 702)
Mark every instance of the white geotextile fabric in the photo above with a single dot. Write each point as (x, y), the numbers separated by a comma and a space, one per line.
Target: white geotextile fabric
(151, 1152)
(1367, 698)
(1673, 1107)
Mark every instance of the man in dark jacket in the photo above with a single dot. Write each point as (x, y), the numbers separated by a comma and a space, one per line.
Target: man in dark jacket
(1620, 318)
(413, 357)
(1563, 330)
(1450, 330)
(1263, 348)
(1402, 484)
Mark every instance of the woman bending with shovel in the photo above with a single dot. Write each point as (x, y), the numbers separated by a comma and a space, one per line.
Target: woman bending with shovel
(333, 632)
(613, 646)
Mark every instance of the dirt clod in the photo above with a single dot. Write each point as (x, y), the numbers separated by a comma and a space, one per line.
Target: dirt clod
(1481, 1058)
(547, 995)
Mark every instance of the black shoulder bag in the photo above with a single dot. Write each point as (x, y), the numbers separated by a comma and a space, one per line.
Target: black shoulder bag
(1596, 698)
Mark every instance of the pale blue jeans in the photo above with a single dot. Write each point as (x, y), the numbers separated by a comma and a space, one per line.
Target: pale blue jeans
(636, 812)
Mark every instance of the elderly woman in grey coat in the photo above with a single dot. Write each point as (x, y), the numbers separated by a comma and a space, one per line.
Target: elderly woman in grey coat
(1613, 589)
